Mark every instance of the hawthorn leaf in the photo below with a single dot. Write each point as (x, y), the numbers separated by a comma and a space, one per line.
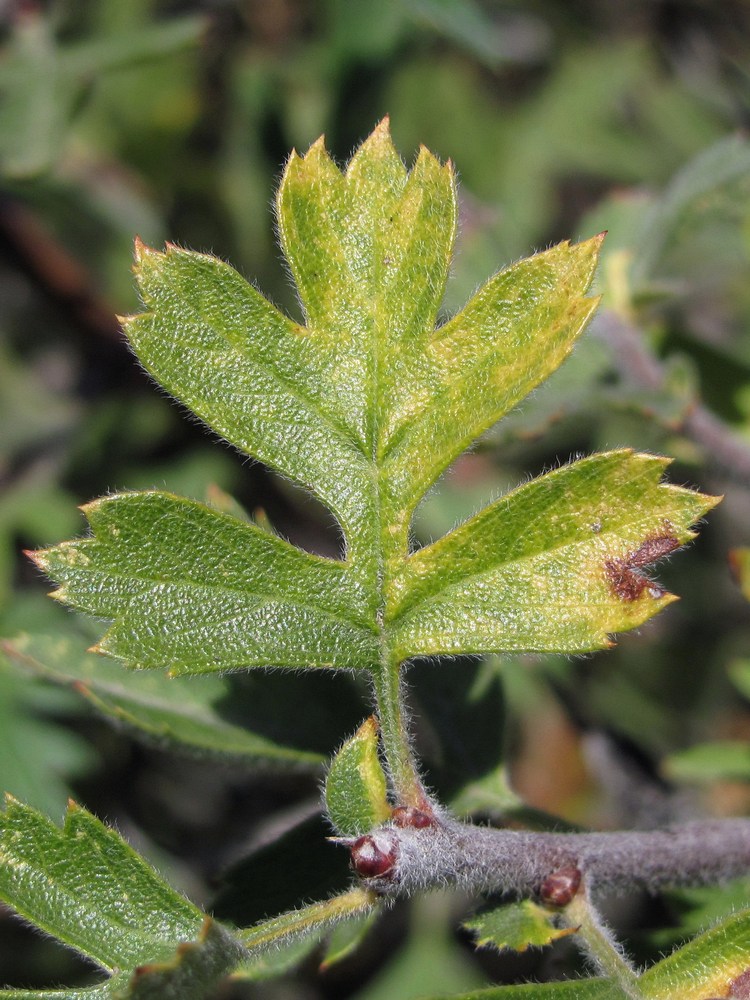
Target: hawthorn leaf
(567, 553)
(192, 973)
(356, 788)
(205, 591)
(366, 404)
(706, 967)
(517, 925)
(102, 991)
(173, 712)
(85, 886)
(346, 939)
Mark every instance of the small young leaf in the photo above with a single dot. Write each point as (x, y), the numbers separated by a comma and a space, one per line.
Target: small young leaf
(355, 788)
(518, 925)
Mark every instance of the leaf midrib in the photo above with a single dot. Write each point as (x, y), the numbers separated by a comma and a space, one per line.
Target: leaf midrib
(263, 598)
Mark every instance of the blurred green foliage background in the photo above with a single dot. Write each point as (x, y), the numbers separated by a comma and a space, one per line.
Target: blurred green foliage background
(172, 120)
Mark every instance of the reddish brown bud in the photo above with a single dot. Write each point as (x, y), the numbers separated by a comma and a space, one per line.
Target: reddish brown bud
(374, 855)
(559, 888)
(404, 816)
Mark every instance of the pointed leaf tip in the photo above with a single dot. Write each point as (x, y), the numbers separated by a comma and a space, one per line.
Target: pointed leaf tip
(139, 249)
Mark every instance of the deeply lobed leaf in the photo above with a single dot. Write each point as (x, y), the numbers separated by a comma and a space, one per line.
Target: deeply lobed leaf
(366, 404)
(85, 886)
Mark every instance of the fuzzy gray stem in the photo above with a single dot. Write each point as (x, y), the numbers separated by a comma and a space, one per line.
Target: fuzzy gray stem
(485, 859)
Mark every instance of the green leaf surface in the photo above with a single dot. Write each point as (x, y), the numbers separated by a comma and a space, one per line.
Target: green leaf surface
(366, 405)
(517, 925)
(355, 903)
(355, 789)
(86, 887)
(346, 939)
(727, 760)
(702, 969)
(192, 973)
(41, 82)
(103, 991)
(739, 674)
(705, 966)
(569, 989)
(205, 591)
(280, 960)
(561, 550)
(38, 756)
(180, 713)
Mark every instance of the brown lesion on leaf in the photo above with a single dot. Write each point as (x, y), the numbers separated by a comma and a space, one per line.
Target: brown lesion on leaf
(740, 987)
(625, 575)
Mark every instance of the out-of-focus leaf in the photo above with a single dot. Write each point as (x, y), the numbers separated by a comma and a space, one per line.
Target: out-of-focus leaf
(492, 40)
(517, 925)
(299, 864)
(430, 960)
(42, 81)
(697, 909)
(174, 712)
(281, 959)
(721, 165)
(462, 720)
(727, 760)
(30, 411)
(38, 757)
(346, 939)
(360, 30)
(355, 789)
(35, 508)
(739, 560)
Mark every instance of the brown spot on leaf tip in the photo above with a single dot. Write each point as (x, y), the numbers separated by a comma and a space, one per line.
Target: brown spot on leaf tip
(740, 987)
(624, 576)
(139, 249)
